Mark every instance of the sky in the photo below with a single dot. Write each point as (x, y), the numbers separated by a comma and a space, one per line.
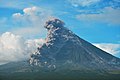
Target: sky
(21, 24)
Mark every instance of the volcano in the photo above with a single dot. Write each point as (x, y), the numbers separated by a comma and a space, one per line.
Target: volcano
(64, 56)
(63, 47)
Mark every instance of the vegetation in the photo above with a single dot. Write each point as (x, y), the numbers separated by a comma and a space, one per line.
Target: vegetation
(61, 75)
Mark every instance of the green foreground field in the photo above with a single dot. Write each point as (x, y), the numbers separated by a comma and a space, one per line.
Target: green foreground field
(62, 75)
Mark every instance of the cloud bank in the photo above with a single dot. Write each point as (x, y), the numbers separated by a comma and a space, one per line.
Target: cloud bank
(15, 48)
(109, 47)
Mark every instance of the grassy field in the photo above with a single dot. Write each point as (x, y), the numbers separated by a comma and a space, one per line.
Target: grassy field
(60, 75)
(23, 71)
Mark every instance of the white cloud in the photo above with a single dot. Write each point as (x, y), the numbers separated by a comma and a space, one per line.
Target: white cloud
(83, 3)
(17, 15)
(31, 11)
(15, 48)
(32, 21)
(109, 47)
(107, 15)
